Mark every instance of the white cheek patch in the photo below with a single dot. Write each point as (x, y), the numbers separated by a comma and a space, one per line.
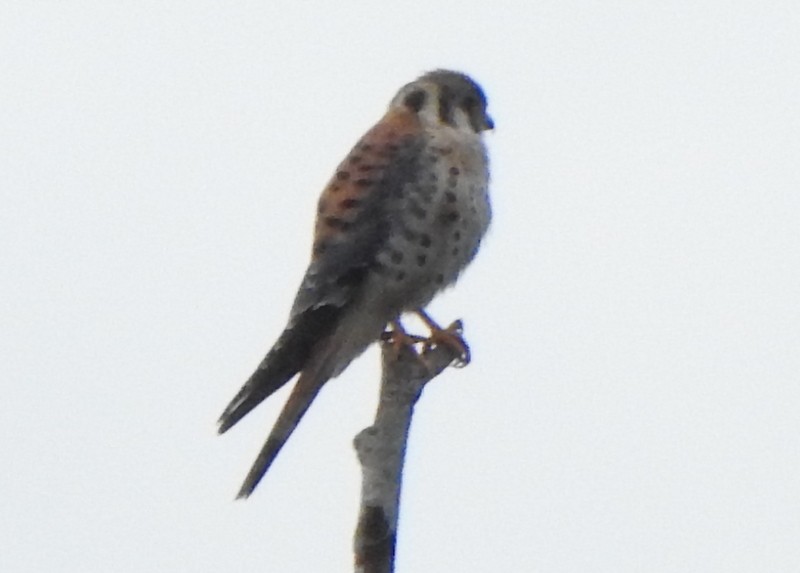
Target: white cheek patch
(461, 120)
(430, 111)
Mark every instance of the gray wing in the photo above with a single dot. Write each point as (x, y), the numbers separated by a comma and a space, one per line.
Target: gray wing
(354, 217)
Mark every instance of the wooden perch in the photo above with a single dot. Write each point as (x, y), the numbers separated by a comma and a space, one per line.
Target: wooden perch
(381, 449)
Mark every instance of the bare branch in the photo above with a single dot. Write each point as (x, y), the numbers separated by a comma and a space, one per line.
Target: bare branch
(381, 450)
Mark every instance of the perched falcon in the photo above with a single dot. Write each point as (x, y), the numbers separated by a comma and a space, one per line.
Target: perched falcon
(400, 219)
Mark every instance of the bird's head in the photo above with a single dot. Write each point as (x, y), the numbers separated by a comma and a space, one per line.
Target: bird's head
(446, 97)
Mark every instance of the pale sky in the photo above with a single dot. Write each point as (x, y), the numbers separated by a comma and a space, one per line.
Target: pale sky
(634, 398)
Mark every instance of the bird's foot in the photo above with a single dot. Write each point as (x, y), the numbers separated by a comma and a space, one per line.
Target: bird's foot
(398, 339)
(450, 337)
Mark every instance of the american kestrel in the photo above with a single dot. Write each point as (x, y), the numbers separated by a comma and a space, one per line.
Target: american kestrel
(402, 216)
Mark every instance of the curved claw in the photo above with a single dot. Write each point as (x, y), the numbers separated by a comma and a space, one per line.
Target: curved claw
(450, 337)
(398, 338)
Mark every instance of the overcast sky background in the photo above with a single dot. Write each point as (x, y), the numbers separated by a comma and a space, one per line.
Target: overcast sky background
(634, 399)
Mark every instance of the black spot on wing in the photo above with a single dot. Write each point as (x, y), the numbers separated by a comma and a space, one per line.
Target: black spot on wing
(343, 261)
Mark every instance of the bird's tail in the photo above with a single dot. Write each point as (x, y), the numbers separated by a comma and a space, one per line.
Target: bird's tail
(286, 358)
(263, 383)
(312, 378)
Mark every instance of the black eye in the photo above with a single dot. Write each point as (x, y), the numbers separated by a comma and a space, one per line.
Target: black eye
(415, 100)
(469, 103)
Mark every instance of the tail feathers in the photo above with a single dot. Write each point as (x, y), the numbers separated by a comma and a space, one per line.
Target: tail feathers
(308, 386)
(329, 354)
(263, 383)
(289, 355)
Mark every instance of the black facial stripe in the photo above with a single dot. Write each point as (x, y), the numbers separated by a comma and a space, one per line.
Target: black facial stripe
(415, 100)
(446, 104)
